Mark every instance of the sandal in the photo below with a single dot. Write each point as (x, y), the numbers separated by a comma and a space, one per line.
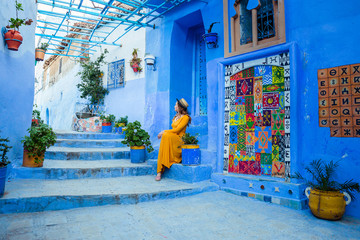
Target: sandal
(158, 177)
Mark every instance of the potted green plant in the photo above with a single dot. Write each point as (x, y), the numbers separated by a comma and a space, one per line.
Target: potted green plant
(120, 124)
(13, 37)
(107, 121)
(40, 138)
(36, 120)
(326, 196)
(4, 149)
(190, 150)
(91, 86)
(137, 139)
(40, 52)
(210, 38)
(135, 61)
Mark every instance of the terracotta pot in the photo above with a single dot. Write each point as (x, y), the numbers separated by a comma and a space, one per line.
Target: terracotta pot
(39, 54)
(13, 40)
(328, 205)
(106, 124)
(30, 161)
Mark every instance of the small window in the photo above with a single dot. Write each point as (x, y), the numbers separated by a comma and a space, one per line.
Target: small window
(116, 74)
(253, 28)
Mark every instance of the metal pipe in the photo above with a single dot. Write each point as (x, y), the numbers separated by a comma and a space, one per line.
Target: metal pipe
(78, 40)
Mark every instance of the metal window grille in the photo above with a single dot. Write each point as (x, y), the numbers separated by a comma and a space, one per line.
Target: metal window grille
(265, 20)
(116, 74)
(245, 24)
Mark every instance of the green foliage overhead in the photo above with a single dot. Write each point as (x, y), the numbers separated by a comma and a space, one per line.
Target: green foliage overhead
(91, 86)
(136, 136)
(4, 149)
(322, 175)
(189, 139)
(41, 137)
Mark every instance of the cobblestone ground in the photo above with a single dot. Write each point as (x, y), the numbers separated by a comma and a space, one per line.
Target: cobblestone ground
(212, 215)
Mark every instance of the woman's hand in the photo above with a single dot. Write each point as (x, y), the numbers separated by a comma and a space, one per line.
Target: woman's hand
(160, 134)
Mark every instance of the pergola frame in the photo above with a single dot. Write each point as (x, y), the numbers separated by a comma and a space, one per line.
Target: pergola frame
(81, 23)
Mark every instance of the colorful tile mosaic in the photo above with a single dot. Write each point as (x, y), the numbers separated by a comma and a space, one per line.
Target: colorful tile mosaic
(339, 95)
(257, 98)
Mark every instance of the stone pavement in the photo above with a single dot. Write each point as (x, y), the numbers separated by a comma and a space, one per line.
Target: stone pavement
(211, 215)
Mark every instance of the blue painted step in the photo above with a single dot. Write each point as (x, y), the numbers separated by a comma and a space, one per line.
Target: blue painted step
(59, 169)
(89, 143)
(87, 135)
(28, 195)
(63, 153)
(189, 174)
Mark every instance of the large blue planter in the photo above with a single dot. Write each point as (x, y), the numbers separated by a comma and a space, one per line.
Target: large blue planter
(137, 154)
(191, 155)
(2, 180)
(118, 130)
(106, 129)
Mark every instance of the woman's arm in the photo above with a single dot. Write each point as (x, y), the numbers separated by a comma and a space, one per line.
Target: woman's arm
(181, 126)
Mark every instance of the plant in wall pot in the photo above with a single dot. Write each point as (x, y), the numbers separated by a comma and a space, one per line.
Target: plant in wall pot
(107, 121)
(210, 38)
(13, 37)
(40, 52)
(137, 139)
(190, 150)
(91, 86)
(41, 137)
(326, 196)
(135, 61)
(4, 149)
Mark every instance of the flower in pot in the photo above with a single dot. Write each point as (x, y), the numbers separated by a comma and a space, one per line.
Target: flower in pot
(135, 61)
(190, 150)
(137, 139)
(107, 121)
(4, 149)
(41, 137)
(40, 52)
(13, 37)
(36, 120)
(210, 38)
(326, 196)
(120, 124)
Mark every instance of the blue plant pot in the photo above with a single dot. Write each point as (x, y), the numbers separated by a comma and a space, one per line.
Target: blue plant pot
(191, 155)
(211, 39)
(2, 180)
(106, 129)
(137, 154)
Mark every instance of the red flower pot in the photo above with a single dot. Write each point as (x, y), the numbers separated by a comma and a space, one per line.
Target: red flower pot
(13, 39)
(135, 67)
(106, 124)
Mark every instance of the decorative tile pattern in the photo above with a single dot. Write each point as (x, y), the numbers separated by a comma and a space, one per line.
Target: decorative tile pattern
(257, 116)
(339, 95)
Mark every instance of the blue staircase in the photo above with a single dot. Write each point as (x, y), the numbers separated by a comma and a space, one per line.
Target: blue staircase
(93, 169)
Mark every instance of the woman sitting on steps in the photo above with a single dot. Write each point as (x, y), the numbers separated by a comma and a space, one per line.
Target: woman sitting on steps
(170, 150)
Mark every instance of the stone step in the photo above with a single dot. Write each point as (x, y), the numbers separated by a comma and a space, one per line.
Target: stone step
(89, 143)
(29, 195)
(72, 169)
(86, 135)
(68, 153)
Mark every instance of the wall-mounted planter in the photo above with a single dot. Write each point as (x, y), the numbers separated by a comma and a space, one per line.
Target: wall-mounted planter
(29, 161)
(13, 39)
(2, 180)
(137, 154)
(191, 155)
(39, 54)
(211, 40)
(106, 128)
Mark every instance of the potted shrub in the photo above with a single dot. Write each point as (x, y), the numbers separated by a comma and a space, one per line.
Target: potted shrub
(137, 139)
(4, 149)
(326, 196)
(40, 52)
(135, 61)
(120, 124)
(190, 150)
(13, 37)
(107, 121)
(210, 38)
(41, 137)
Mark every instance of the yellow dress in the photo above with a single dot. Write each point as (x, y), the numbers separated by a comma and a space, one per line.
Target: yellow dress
(170, 150)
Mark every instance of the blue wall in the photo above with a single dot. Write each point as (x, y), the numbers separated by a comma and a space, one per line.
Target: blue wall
(17, 80)
(324, 35)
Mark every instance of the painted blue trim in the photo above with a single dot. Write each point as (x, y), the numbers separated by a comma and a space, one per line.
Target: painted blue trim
(71, 46)
(221, 109)
(65, 55)
(77, 39)
(10, 39)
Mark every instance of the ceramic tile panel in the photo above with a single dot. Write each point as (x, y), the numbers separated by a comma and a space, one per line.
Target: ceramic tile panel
(257, 113)
(339, 99)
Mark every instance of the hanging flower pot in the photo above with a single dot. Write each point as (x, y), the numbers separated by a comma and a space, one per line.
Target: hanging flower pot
(13, 39)
(39, 54)
(135, 67)
(211, 39)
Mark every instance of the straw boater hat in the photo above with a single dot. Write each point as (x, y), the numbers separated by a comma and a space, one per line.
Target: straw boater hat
(182, 103)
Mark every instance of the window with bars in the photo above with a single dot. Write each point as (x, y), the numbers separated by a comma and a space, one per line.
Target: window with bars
(253, 28)
(116, 74)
